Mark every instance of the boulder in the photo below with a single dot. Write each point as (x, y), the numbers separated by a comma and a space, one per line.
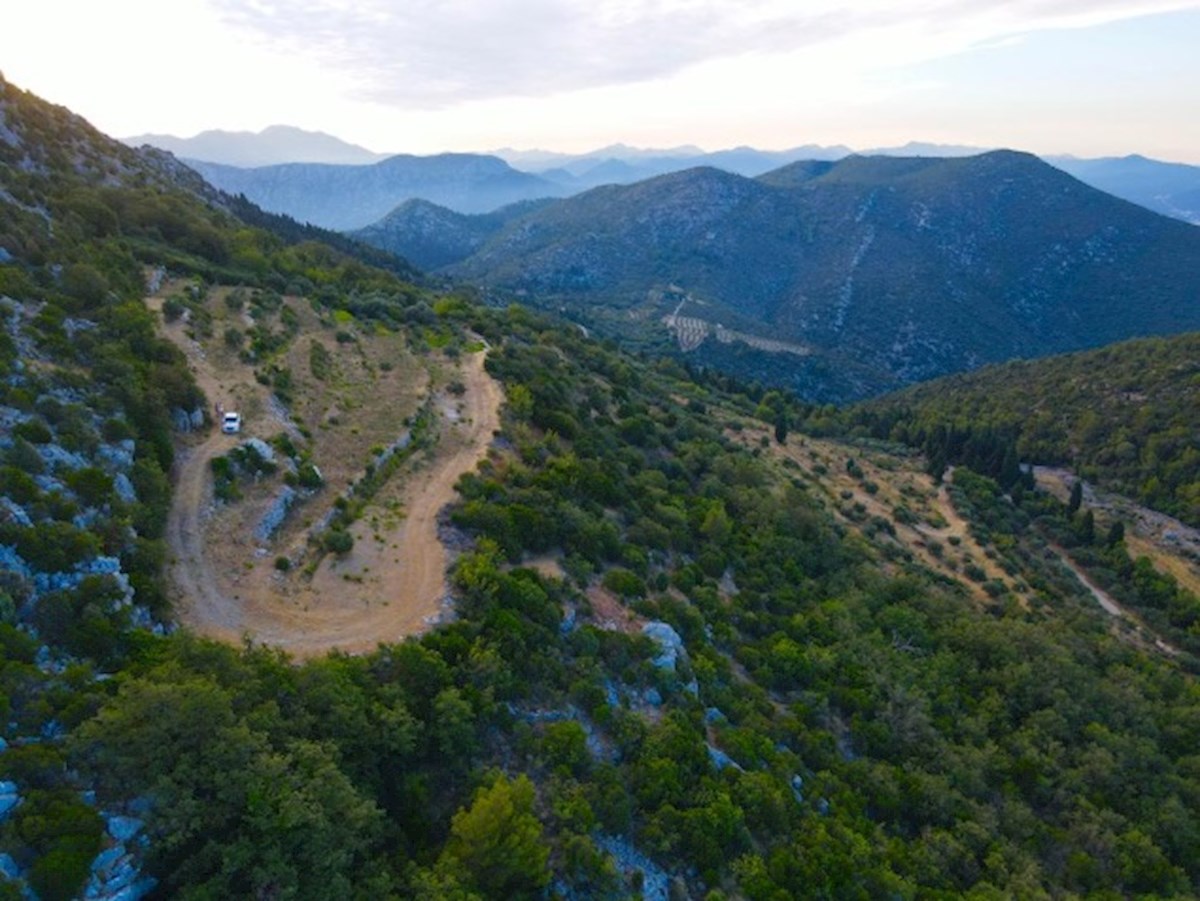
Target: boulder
(720, 760)
(669, 643)
(9, 799)
(123, 828)
(261, 448)
(276, 514)
(8, 867)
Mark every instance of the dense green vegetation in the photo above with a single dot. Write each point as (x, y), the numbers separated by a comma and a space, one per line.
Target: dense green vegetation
(1123, 416)
(886, 736)
(834, 721)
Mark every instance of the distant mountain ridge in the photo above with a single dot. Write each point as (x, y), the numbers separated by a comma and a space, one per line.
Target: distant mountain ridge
(875, 272)
(1172, 189)
(623, 165)
(434, 236)
(349, 197)
(273, 145)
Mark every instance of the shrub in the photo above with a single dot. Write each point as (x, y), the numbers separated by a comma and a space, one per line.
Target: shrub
(309, 476)
(625, 583)
(339, 541)
(172, 309)
(320, 361)
(34, 431)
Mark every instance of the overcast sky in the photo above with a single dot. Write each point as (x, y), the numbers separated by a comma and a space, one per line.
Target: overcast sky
(1089, 77)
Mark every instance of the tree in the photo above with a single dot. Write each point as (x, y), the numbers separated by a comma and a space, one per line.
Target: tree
(1116, 534)
(1087, 528)
(781, 426)
(496, 844)
(1010, 468)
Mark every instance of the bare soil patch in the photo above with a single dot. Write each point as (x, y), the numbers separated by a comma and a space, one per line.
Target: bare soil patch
(608, 612)
(393, 583)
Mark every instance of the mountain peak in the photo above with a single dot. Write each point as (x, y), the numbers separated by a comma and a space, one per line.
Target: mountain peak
(884, 270)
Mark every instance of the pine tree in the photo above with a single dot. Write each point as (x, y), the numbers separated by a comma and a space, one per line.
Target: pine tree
(1116, 534)
(1087, 528)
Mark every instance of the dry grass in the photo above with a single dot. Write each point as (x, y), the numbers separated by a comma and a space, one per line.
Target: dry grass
(893, 490)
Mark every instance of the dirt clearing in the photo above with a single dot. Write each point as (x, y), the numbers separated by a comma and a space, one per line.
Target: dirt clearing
(352, 389)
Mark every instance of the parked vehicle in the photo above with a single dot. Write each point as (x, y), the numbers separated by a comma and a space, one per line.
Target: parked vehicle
(231, 423)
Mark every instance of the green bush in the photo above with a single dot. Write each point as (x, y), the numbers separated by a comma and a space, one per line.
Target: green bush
(34, 431)
(338, 541)
(623, 582)
(172, 309)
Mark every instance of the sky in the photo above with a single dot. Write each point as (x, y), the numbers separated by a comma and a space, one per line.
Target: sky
(1086, 77)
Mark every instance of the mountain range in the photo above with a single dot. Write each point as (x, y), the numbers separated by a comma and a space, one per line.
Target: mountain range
(274, 144)
(1169, 188)
(348, 197)
(839, 279)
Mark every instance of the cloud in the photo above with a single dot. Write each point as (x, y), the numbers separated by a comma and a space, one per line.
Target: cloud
(437, 53)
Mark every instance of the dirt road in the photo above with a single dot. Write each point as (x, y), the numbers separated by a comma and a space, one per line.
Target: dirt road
(391, 585)
(394, 584)
(1103, 598)
(1173, 546)
(198, 598)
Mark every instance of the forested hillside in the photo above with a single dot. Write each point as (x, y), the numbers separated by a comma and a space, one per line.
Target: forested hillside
(694, 652)
(838, 280)
(1125, 416)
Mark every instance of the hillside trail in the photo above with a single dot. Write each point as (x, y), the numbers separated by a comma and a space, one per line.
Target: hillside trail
(391, 585)
(1172, 546)
(199, 601)
(1103, 598)
(1109, 604)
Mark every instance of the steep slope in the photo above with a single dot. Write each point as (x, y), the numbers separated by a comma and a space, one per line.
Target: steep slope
(910, 267)
(1172, 189)
(348, 197)
(274, 144)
